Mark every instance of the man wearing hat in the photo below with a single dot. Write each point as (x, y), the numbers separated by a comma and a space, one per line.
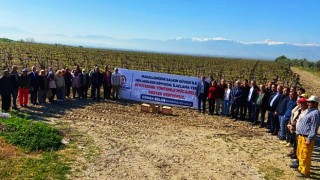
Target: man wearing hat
(307, 129)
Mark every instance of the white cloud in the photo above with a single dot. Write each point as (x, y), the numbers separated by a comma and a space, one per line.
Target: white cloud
(308, 45)
(267, 42)
(209, 39)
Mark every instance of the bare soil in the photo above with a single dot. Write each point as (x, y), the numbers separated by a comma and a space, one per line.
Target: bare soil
(117, 141)
(187, 145)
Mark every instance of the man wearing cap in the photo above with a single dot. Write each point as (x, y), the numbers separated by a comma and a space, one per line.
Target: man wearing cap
(296, 115)
(115, 82)
(307, 129)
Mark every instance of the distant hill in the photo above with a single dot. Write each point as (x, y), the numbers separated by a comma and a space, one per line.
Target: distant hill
(6, 40)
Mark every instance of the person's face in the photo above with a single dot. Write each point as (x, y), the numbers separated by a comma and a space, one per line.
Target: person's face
(312, 104)
(34, 69)
(273, 88)
(269, 85)
(285, 91)
(15, 68)
(229, 86)
(291, 95)
(303, 106)
(279, 88)
(262, 88)
(253, 83)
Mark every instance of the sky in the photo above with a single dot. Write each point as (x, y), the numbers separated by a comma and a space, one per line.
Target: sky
(290, 21)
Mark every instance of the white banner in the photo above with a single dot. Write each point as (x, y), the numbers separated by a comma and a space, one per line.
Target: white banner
(159, 88)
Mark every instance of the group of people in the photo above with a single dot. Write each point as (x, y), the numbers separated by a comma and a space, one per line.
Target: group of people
(291, 114)
(56, 86)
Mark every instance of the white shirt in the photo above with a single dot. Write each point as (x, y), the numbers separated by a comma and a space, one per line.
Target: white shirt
(227, 94)
(250, 93)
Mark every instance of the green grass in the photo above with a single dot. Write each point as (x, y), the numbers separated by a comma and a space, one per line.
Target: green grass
(50, 165)
(32, 136)
(271, 172)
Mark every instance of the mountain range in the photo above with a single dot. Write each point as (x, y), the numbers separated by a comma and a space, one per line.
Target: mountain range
(220, 47)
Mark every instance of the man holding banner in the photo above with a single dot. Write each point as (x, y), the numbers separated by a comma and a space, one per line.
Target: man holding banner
(202, 94)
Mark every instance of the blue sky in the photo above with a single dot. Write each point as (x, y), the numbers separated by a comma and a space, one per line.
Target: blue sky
(292, 21)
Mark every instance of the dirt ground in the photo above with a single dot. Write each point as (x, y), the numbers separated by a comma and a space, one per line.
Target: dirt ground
(128, 144)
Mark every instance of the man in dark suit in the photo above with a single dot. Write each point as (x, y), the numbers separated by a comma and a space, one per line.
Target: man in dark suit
(244, 106)
(96, 82)
(273, 104)
(252, 95)
(15, 82)
(5, 91)
(107, 86)
(237, 95)
(202, 93)
(34, 85)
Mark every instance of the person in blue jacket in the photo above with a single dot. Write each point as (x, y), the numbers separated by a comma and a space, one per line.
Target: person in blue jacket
(292, 103)
(273, 104)
(237, 96)
(202, 94)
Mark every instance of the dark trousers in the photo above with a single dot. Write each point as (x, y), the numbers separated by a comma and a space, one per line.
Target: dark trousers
(53, 91)
(95, 92)
(84, 91)
(251, 110)
(235, 107)
(68, 90)
(76, 90)
(14, 94)
(107, 91)
(211, 106)
(6, 102)
(243, 110)
(262, 111)
(34, 96)
(274, 122)
(202, 99)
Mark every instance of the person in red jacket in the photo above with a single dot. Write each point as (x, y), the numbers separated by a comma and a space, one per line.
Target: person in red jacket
(212, 96)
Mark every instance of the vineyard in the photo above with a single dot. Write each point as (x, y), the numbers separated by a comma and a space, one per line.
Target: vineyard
(115, 140)
(60, 56)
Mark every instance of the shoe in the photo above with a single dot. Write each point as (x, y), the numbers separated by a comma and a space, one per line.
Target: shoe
(282, 139)
(288, 145)
(302, 175)
(283, 142)
(269, 131)
(275, 133)
(294, 156)
(294, 165)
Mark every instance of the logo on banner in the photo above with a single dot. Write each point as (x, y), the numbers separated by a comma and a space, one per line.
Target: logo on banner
(123, 82)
